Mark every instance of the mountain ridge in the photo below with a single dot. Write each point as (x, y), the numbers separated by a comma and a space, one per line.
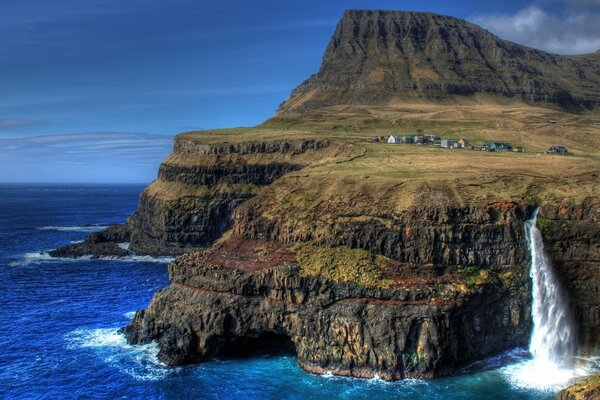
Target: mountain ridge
(378, 56)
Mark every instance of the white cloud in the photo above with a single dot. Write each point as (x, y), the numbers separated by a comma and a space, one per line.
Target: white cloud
(83, 157)
(576, 33)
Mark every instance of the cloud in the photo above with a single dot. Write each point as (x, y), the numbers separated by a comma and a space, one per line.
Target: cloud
(83, 157)
(7, 123)
(576, 33)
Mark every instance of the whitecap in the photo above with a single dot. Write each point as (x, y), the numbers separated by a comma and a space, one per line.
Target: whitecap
(129, 315)
(77, 228)
(41, 257)
(45, 257)
(327, 374)
(139, 361)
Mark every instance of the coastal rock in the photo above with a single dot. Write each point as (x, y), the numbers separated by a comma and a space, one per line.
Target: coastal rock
(242, 294)
(587, 389)
(98, 244)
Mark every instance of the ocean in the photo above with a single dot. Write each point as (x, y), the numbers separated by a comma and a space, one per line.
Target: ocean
(59, 322)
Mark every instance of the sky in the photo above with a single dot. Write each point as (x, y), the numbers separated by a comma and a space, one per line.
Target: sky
(93, 91)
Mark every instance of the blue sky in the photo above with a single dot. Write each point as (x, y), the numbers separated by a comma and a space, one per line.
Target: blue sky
(94, 90)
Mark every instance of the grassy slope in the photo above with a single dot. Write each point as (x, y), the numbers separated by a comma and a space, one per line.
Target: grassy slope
(464, 176)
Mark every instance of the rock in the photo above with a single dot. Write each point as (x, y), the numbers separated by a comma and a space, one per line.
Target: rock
(572, 239)
(237, 295)
(587, 389)
(86, 248)
(97, 244)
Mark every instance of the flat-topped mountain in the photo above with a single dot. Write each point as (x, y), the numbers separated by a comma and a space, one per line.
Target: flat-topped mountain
(378, 57)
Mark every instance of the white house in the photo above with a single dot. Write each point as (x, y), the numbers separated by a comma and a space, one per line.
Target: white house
(394, 139)
(449, 143)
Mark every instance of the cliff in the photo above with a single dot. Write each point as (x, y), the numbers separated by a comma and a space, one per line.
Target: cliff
(381, 57)
(371, 316)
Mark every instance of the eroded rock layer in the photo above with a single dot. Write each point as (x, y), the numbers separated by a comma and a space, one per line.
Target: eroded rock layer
(427, 323)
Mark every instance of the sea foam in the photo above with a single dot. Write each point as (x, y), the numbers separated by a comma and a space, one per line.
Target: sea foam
(45, 257)
(140, 361)
(81, 228)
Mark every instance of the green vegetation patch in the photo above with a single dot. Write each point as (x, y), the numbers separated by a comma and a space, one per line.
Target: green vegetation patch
(342, 264)
(545, 226)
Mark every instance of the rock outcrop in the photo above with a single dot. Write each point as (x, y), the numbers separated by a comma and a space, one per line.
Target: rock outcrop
(377, 57)
(98, 244)
(429, 322)
(191, 204)
(587, 389)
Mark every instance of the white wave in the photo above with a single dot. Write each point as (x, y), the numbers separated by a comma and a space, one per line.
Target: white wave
(82, 228)
(134, 258)
(41, 257)
(140, 361)
(129, 315)
(45, 257)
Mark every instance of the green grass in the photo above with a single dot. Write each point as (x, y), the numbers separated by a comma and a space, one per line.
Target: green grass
(342, 264)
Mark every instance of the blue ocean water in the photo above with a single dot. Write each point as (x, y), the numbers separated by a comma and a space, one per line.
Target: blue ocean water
(59, 322)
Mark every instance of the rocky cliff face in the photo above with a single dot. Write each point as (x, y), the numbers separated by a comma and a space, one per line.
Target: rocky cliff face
(191, 204)
(244, 294)
(376, 57)
(572, 239)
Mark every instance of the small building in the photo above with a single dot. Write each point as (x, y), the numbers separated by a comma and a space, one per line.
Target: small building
(430, 138)
(375, 139)
(561, 150)
(463, 143)
(449, 143)
(409, 139)
(498, 146)
(394, 139)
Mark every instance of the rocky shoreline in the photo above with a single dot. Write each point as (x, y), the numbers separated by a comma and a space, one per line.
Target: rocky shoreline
(419, 327)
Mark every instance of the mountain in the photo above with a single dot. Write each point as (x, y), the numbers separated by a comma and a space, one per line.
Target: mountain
(377, 57)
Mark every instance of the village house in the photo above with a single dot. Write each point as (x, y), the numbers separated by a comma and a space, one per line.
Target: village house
(409, 139)
(394, 139)
(557, 150)
(430, 138)
(496, 146)
(449, 144)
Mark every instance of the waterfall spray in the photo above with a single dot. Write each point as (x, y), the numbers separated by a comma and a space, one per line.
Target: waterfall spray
(552, 339)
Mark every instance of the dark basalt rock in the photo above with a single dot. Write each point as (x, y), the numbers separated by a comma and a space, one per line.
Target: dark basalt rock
(406, 331)
(572, 240)
(97, 244)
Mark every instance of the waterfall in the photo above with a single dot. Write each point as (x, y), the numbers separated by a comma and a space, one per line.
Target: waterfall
(552, 343)
(552, 340)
